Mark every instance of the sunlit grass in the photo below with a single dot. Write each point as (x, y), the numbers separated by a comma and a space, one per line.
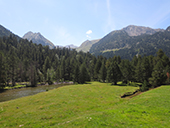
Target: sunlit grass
(89, 105)
(110, 50)
(15, 87)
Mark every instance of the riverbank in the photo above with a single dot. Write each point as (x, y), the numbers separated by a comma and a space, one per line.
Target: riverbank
(26, 84)
(11, 94)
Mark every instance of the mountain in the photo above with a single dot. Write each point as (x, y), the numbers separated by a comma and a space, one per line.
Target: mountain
(38, 39)
(6, 32)
(114, 40)
(71, 46)
(133, 30)
(168, 29)
(86, 45)
(131, 41)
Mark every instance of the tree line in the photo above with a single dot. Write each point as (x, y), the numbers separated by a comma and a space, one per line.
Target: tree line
(23, 61)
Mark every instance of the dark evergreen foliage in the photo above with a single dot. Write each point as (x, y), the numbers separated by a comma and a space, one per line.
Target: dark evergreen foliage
(103, 72)
(113, 73)
(23, 61)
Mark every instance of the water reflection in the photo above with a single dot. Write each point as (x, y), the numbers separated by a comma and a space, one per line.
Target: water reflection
(17, 93)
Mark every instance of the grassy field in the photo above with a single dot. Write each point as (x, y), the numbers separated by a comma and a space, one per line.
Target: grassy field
(89, 105)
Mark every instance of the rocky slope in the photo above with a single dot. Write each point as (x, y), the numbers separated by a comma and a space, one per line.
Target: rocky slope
(38, 39)
(133, 30)
(86, 45)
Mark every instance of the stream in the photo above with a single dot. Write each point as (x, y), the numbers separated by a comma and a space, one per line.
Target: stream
(22, 92)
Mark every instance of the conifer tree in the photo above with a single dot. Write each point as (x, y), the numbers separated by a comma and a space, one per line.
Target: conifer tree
(158, 75)
(84, 76)
(97, 69)
(12, 60)
(126, 70)
(47, 65)
(103, 72)
(145, 69)
(145, 86)
(33, 75)
(76, 74)
(138, 71)
(91, 68)
(2, 71)
(167, 74)
(113, 73)
(160, 54)
(62, 69)
(50, 76)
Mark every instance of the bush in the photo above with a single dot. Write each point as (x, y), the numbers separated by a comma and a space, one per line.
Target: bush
(145, 86)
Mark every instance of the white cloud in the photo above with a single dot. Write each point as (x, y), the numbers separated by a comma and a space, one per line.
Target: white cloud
(110, 25)
(89, 32)
(88, 36)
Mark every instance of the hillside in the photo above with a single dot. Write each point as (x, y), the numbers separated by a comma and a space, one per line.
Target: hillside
(89, 105)
(86, 45)
(72, 46)
(121, 43)
(5, 32)
(38, 39)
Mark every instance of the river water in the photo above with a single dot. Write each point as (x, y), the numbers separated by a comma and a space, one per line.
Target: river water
(17, 93)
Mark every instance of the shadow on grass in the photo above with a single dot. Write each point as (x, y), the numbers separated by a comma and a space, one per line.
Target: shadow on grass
(134, 84)
(2, 90)
(122, 84)
(87, 83)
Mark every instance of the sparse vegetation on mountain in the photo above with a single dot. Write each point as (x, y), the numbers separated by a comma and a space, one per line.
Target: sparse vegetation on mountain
(144, 43)
(38, 39)
(85, 46)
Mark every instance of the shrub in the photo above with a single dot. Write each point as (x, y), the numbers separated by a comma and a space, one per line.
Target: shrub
(145, 86)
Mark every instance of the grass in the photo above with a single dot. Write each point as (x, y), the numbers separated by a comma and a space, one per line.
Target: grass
(15, 87)
(89, 105)
(110, 50)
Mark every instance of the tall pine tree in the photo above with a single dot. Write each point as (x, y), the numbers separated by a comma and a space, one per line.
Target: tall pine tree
(113, 73)
(158, 75)
(2, 71)
(103, 72)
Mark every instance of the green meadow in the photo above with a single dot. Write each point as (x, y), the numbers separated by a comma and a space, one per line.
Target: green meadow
(89, 105)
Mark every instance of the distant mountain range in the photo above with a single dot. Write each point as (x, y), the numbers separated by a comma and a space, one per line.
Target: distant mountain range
(126, 43)
(133, 40)
(131, 30)
(72, 46)
(117, 39)
(86, 45)
(35, 37)
(38, 39)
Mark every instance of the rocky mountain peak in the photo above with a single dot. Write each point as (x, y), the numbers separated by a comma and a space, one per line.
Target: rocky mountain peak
(38, 39)
(168, 29)
(133, 30)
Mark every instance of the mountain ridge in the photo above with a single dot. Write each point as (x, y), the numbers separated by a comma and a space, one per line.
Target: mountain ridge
(119, 43)
(6, 32)
(134, 30)
(38, 39)
(86, 45)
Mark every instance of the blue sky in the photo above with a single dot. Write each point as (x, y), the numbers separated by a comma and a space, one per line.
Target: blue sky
(66, 22)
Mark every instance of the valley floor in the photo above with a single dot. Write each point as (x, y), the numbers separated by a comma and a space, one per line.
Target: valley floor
(89, 105)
